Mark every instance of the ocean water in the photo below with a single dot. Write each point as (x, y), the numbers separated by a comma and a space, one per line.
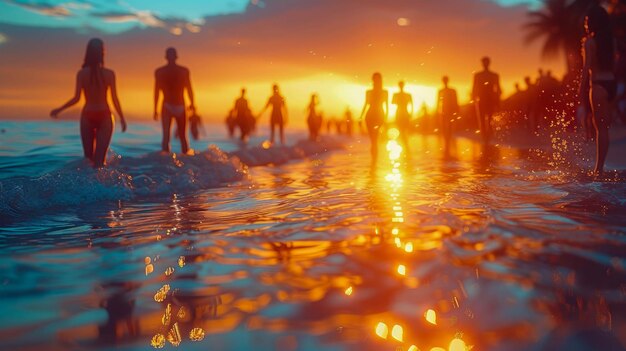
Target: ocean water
(309, 247)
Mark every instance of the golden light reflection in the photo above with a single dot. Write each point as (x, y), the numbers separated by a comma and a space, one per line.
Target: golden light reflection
(431, 316)
(158, 341)
(402, 269)
(408, 247)
(196, 334)
(397, 332)
(162, 293)
(173, 336)
(394, 149)
(457, 345)
(393, 133)
(167, 315)
(382, 330)
(412, 348)
(348, 291)
(181, 261)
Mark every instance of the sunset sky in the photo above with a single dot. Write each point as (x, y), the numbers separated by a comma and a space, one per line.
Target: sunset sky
(326, 46)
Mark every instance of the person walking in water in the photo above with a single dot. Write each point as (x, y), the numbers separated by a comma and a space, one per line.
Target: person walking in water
(486, 95)
(375, 111)
(173, 80)
(598, 83)
(243, 116)
(448, 108)
(279, 114)
(94, 81)
(404, 111)
(314, 119)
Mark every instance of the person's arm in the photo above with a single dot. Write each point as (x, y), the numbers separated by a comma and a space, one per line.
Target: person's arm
(285, 112)
(116, 101)
(192, 105)
(411, 104)
(439, 108)
(498, 88)
(475, 89)
(386, 105)
(583, 91)
(71, 102)
(157, 91)
(269, 102)
(364, 106)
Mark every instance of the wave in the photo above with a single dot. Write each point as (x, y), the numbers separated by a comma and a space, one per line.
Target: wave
(155, 173)
(264, 155)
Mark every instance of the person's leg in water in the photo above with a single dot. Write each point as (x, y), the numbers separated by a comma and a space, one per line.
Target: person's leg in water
(272, 125)
(166, 123)
(601, 110)
(488, 121)
(446, 126)
(404, 138)
(87, 136)
(481, 121)
(373, 131)
(104, 132)
(181, 123)
(281, 126)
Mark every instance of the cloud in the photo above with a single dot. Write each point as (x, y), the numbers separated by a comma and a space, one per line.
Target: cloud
(175, 26)
(43, 8)
(3, 38)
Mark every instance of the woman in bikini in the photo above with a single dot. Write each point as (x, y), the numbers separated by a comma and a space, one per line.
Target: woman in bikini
(377, 106)
(598, 80)
(96, 121)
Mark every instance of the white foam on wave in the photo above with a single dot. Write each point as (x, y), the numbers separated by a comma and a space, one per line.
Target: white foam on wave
(124, 178)
(155, 173)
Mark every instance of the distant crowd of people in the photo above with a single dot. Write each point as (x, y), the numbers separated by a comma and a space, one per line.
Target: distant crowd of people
(541, 102)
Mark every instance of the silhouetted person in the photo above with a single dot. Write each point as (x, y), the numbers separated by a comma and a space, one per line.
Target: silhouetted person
(96, 121)
(279, 114)
(448, 108)
(349, 122)
(598, 79)
(486, 95)
(314, 119)
(243, 116)
(231, 123)
(173, 80)
(424, 117)
(195, 125)
(375, 111)
(530, 104)
(338, 124)
(404, 103)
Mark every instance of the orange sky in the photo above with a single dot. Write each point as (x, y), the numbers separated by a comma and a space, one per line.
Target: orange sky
(326, 46)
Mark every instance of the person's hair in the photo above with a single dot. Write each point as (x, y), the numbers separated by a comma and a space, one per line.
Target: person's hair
(94, 59)
(599, 24)
(377, 81)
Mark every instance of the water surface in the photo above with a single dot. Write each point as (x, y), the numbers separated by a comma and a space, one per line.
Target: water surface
(326, 252)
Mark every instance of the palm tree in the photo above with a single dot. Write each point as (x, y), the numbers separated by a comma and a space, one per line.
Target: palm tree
(560, 23)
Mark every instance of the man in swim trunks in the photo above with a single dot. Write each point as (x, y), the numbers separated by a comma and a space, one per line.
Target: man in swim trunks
(173, 80)
(486, 93)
